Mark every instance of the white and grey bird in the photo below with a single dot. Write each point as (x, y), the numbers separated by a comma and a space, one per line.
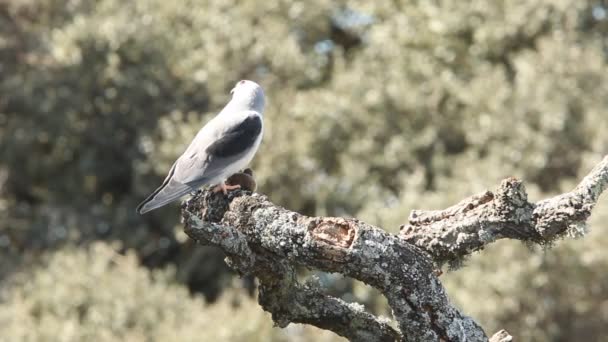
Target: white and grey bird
(225, 145)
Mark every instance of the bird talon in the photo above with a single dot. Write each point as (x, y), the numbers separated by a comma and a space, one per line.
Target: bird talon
(219, 188)
(233, 187)
(225, 188)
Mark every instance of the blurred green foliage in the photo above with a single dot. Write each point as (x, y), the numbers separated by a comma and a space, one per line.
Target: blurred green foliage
(375, 108)
(109, 297)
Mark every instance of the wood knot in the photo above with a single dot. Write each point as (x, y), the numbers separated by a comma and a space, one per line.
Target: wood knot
(511, 192)
(333, 231)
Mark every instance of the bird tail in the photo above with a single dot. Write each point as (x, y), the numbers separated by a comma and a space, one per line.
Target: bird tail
(168, 192)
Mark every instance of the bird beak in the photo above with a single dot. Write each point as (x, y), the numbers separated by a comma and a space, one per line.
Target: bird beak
(232, 91)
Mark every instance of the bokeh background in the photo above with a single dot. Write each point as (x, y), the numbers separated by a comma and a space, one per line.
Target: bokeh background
(374, 108)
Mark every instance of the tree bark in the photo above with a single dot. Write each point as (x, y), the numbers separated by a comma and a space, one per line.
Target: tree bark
(269, 242)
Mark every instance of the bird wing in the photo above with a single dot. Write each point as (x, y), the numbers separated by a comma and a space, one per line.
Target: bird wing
(227, 141)
(220, 144)
(168, 192)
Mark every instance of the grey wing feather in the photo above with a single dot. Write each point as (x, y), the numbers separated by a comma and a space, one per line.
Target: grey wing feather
(190, 171)
(209, 159)
(168, 192)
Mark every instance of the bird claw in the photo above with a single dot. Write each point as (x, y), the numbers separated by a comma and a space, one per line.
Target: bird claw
(225, 188)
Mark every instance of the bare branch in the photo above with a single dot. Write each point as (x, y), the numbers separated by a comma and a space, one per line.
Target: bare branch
(268, 241)
(450, 234)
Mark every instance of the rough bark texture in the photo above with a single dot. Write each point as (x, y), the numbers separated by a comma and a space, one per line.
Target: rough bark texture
(450, 234)
(269, 242)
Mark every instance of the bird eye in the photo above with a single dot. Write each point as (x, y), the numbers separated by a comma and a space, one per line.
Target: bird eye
(242, 82)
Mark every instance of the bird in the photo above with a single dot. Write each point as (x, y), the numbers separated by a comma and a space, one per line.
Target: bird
(225, 145)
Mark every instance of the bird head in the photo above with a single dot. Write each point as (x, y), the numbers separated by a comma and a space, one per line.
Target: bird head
(249, 95)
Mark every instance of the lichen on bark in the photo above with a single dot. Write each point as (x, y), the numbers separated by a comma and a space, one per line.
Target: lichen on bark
(267, 241)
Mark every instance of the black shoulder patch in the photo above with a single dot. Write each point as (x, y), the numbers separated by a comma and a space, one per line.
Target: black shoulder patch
(238, 139)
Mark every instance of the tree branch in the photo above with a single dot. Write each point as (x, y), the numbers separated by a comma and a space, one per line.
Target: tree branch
(450, 234)
(269, 242)
(280, 293)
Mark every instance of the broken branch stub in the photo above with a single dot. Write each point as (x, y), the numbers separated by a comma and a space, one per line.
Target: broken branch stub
(449, 235)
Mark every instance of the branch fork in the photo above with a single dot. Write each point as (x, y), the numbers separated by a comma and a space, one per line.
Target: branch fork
(270, 242)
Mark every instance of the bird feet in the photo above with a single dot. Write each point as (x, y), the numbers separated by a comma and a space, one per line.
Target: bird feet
(225, 188)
